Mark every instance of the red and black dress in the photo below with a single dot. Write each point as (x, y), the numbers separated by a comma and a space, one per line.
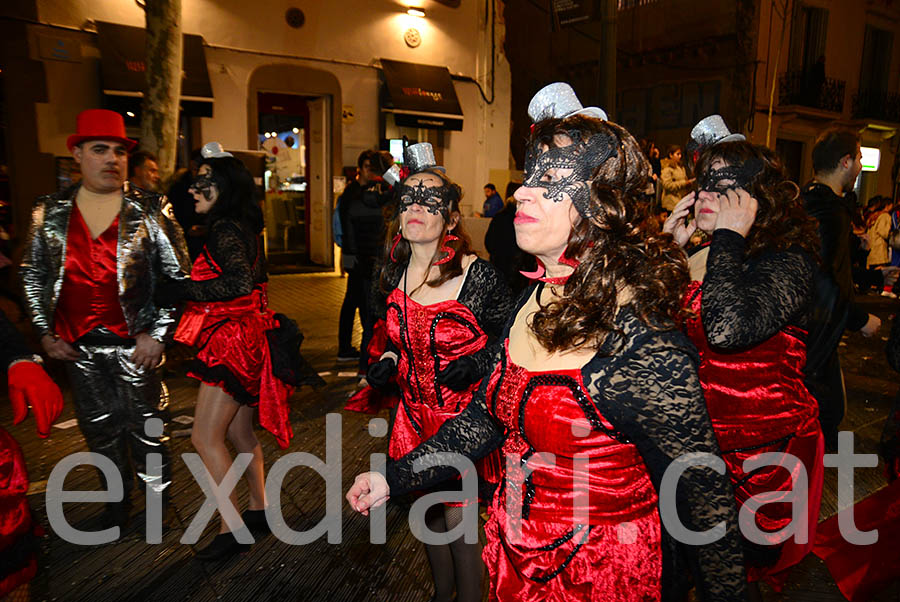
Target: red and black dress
(228, 319)
(429, 337)
(18, 534)
(576, 515)
(747, 321)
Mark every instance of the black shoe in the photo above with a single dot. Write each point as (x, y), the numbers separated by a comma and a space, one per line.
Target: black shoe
(116, 514)
(348, 355)
(256, 522)
(223, 546)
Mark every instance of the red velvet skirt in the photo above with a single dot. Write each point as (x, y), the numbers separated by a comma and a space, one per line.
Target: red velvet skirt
(233, 354)
(18, 562)
(605, 562)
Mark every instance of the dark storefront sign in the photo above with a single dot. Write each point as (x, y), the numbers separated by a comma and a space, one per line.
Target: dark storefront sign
(421, 96)
(123, 68)
(570, 12)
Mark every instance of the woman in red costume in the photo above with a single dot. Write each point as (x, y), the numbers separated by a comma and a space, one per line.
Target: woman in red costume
(442, 304)
(594, 394)
(238, 339)
(29, 387)
(750, 299)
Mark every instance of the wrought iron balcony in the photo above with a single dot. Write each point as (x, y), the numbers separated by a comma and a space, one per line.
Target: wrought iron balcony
(803, 88)
(876, 105)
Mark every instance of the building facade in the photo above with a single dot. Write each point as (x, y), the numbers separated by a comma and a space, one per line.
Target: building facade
(298, 83)
(780, 71)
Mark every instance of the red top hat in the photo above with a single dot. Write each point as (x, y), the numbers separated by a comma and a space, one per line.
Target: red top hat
(100, 124)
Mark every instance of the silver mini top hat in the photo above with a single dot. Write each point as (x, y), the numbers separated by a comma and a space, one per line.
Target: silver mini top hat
(558, 100)
(712, 130)
(214, 150)
(420, 156)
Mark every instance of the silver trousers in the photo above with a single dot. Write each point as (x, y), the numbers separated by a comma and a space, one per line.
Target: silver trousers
(113, 398)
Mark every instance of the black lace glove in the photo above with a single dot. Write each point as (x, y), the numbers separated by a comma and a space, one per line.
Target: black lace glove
(459, 374)
(379, 374)
(169, 293)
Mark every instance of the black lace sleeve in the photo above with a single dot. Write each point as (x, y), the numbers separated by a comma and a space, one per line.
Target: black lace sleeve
(486, 293)
(232, 250)
(649, 390)
(472, 433)
(746, 301)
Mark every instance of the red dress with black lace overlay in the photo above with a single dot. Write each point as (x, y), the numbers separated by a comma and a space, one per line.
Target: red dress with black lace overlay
(429, 337)
(233, 351)
(589, 521)
(758, 403)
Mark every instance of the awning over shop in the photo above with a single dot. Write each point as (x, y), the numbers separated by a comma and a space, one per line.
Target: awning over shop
(123, 66)
(421, 96)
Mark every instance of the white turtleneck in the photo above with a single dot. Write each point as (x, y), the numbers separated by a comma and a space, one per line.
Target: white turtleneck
(98, 210)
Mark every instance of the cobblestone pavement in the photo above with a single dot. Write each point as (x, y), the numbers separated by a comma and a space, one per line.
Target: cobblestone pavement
(348, 567)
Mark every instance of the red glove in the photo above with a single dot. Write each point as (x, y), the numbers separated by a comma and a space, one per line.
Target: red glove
(29, 384)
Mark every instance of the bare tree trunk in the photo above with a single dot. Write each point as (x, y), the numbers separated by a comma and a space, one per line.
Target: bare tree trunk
(159, 125)
(609, 14)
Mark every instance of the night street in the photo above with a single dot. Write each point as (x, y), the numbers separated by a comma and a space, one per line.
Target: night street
(130, 569)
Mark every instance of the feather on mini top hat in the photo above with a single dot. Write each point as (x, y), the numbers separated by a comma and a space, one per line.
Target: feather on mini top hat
(100, 124)
(558, 101)
(416, 158)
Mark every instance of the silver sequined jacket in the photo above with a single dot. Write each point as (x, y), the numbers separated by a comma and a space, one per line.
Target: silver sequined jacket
(151, 245)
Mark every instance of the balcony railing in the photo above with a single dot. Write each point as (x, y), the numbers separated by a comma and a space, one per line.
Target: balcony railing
(625, 4)
(803, 88)
(876, 105)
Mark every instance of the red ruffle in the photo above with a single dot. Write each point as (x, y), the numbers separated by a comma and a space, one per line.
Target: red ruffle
(863, 571)
(232, 334)
(370, 400)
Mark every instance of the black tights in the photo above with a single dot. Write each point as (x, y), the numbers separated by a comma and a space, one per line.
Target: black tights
(455, 564)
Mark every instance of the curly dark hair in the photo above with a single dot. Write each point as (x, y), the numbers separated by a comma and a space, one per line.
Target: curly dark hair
(237, 198)
(781, 220)
(621, 249)
(392, 269)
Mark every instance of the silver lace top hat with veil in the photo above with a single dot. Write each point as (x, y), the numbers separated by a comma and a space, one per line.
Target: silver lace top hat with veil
(416, 158)
(709, 131)
(558, 101)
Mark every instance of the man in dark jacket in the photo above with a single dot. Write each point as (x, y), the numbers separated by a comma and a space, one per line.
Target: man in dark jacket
(360, 211)
(836, 163)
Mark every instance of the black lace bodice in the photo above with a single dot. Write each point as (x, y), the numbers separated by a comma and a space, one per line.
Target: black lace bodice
(645, 384)
(237, 254)
(748, 300)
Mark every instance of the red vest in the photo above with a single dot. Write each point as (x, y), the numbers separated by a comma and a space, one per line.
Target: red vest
(90, 292)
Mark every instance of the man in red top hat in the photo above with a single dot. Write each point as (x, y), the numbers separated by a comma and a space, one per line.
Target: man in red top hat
(94, 255)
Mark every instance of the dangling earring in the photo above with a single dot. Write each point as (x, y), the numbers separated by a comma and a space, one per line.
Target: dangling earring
(394, 244)
(539, 273)
(448, 250)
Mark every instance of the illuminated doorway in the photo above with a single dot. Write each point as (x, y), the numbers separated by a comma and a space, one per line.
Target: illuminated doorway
(284, 135)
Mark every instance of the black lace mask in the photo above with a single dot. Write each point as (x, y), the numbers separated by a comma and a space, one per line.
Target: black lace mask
(203, 184)
(582, 157)
(434, 199)
(731, 177)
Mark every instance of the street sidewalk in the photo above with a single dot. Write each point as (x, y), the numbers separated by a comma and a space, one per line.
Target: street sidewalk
(354, 569)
